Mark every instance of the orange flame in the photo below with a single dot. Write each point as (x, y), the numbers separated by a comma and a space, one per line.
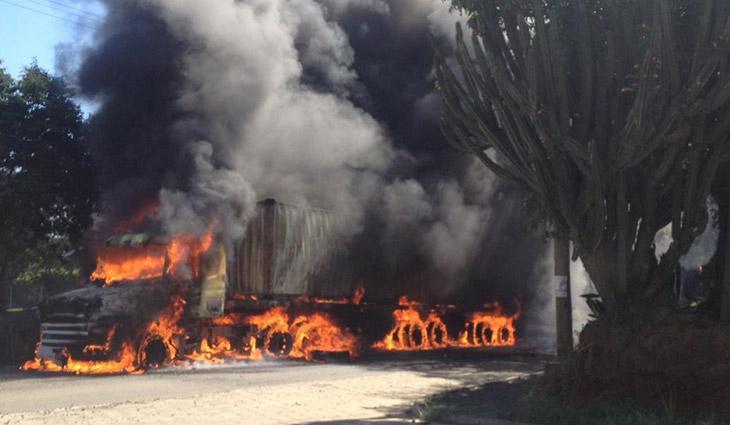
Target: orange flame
(217, 351)
(115, 264)
(490, 329)
(411, 332)
(124, 364)
(274, 333)
(103, 348)
(404, 301)
(166, 329)
(317, 332)
(302, 337)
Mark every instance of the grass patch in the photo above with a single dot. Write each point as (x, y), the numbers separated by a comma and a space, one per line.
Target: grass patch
(526, 401)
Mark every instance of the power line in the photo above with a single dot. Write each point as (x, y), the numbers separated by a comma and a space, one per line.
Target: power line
(74, 9)
(87, 25)
(66, 10)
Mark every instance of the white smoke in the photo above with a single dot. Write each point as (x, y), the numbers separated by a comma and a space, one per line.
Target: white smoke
(405, 204)
(322, 47)
(461, 214)
(337, 8)
(188, 211)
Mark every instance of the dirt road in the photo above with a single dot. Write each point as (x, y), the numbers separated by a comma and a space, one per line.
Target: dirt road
(252, 393)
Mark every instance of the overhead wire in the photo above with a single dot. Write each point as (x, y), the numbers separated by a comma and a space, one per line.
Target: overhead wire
(87, 24)
(68, 11)
(71, 7)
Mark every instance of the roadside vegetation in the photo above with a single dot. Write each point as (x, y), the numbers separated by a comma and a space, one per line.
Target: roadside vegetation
(612, 119)
(47, 193)
(46, 187)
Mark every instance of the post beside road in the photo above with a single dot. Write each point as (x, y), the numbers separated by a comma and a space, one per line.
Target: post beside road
(563, 304)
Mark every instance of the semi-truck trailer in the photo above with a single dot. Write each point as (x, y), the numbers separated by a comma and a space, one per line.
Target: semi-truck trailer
(287, 289)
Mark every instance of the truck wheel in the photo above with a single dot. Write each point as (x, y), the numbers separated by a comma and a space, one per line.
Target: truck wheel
(488, 335)
(153, 354)
(437, 334)
(417, 336)
(279, 344)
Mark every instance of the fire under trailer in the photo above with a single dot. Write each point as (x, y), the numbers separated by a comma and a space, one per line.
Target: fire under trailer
(287, 289)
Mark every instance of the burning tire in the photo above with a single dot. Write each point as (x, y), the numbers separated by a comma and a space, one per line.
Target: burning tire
(155, 351)
(417, 336)
(483, 334)
(278, 344)
(153, 354)
(437, 334)
(491, 336)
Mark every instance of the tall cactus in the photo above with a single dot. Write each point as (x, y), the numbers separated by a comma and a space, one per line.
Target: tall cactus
(612, 114)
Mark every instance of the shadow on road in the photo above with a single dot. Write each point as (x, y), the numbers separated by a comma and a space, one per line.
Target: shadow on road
(468, 368)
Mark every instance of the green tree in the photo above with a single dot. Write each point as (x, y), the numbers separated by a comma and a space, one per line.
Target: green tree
(46, 178)
(610, 114)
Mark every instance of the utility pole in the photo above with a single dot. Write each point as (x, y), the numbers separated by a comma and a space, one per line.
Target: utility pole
(725, 233)
(563, 303)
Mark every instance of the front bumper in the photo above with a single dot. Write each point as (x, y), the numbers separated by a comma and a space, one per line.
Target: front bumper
(62, 334)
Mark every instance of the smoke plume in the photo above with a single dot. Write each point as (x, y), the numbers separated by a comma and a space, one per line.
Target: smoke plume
(207, 107)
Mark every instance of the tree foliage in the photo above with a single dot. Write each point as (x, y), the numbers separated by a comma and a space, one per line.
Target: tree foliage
(610, 113)
(46, 178)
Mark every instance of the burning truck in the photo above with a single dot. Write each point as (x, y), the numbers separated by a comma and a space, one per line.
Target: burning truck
(286, 290)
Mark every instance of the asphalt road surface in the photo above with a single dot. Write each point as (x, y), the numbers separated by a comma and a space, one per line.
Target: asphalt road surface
(283, 392)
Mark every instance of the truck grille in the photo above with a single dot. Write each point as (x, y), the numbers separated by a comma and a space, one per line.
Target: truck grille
(64, 330)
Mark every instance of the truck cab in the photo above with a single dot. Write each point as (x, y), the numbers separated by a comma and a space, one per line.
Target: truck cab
(119, 305)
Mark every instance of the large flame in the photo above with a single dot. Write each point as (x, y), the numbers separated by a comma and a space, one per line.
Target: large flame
(220, 349)
(125, 363)
(412, 332)
(493, 328)
(181, 254)
(317, 333)
(165, 328)
(279, 335)
(115, 264)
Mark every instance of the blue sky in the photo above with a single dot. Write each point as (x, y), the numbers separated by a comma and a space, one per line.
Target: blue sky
(31, 29)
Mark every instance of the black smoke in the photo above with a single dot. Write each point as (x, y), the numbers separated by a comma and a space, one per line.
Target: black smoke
(135, 73)
(186, 119)
(394, 63)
